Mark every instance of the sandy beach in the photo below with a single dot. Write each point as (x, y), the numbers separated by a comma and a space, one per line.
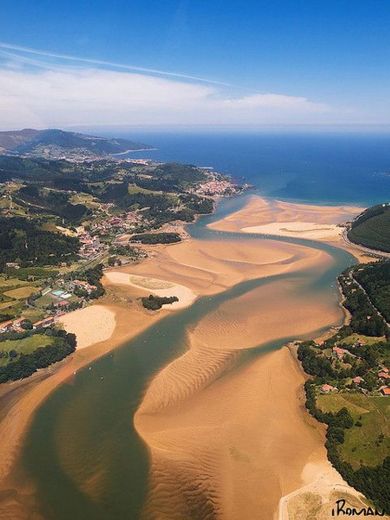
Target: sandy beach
(227, 431)
(281, 218)
(91, 325)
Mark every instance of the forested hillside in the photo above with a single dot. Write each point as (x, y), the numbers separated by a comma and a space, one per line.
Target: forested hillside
(372, 228)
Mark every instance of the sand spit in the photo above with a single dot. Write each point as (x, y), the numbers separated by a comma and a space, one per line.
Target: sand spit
(155, 286)
(273, 217)
(91, 325)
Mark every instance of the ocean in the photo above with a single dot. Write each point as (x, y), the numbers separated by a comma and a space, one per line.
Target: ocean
(337, 168)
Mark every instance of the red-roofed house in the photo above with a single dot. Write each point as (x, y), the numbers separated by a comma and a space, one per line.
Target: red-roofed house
(6, 326)
(339, 352)
(383, 375)
(357, 380)
(44, 323)
(328, 388)
(385, 390)
(17, 324)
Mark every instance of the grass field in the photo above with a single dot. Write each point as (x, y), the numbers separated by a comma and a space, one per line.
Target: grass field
(132, 189)
(363, 444)
(33, 314)
(366, 340)
(10, 283)
(25, 346)
(21, 293)
(86, 199)
(12, 308)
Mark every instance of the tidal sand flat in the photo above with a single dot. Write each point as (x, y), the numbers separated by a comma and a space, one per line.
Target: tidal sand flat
(225, 422)
(287, 219)
(217, 407)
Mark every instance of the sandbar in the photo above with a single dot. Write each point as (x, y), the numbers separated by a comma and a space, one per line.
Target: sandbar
(155, 286)
(281, 218)
(91, 325)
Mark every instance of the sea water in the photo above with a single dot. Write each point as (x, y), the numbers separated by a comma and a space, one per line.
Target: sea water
(321, 168)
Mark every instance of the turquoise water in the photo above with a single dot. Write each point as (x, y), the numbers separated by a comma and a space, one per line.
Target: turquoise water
(85, 428)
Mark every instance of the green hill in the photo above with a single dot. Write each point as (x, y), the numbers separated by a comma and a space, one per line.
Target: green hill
(54, 143)
(372, 228)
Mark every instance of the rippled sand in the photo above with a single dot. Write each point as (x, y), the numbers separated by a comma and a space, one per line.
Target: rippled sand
(227, 432)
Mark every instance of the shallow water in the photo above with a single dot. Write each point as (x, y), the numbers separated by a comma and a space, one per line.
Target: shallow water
(82, 450)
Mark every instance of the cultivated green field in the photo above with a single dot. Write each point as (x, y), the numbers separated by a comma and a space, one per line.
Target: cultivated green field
(24, 346)
(369, 443)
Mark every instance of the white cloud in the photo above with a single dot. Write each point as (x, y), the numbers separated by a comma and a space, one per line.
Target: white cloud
(41, 94)
(276, 101)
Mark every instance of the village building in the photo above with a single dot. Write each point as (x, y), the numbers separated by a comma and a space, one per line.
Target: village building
(42, 324)
(339, 352)
(328, 388)
(6, 326)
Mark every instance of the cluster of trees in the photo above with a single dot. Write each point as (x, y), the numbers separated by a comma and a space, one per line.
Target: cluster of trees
(313, 363)
(92, 276)
(201, 205)
(375, 278)
(182, 175)
(373, 482)
(126, 250)
(154, 303)
(156, 238)
(24, 365)
(364, 317)
(24, 241)
(369, 357)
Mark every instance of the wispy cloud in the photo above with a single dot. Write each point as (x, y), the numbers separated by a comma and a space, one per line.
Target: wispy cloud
(45, 89)
(76, 59)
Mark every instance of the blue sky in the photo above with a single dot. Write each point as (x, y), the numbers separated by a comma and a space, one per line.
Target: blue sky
(288, 62)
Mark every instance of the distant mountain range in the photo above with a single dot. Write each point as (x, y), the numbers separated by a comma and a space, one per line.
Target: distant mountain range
(55, 144)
